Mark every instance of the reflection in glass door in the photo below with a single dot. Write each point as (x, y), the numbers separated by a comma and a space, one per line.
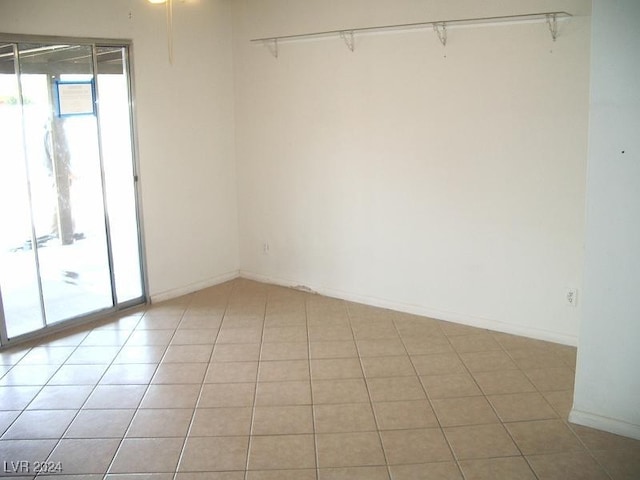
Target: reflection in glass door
(69, 242)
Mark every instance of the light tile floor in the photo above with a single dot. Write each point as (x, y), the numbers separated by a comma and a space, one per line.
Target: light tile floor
(246, 381)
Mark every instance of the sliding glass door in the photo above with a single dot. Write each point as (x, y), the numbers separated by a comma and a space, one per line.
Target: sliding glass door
(69, 236)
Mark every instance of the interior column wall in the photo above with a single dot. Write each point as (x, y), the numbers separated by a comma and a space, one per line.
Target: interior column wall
(607, 380)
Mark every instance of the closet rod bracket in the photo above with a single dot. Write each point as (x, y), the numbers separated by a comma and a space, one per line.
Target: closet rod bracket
(552, 23)
(441, 31)
(349, 40)
(272, 46)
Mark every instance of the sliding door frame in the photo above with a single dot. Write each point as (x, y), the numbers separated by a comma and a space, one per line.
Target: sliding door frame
(5, 341)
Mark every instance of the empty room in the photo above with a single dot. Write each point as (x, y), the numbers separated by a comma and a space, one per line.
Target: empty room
(319, 240)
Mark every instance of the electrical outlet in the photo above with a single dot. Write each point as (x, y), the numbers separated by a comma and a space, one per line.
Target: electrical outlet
(265, 248)
(572, 296)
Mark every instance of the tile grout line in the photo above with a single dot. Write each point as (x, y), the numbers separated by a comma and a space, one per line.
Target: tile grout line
(428, 397)
(366, 384)
(202, 384)
(313, 406)
(495, 412)
(255, 389)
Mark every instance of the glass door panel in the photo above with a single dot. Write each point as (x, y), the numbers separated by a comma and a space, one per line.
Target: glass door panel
(19, 281)
(117, 152)
(63, 158)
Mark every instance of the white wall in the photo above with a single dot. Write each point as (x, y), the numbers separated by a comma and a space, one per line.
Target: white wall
(451, 187)
(607, 389)
(185, 125)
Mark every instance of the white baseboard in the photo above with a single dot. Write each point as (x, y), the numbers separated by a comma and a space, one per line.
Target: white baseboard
(607, 424)
(421, 310)
(193, 287)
